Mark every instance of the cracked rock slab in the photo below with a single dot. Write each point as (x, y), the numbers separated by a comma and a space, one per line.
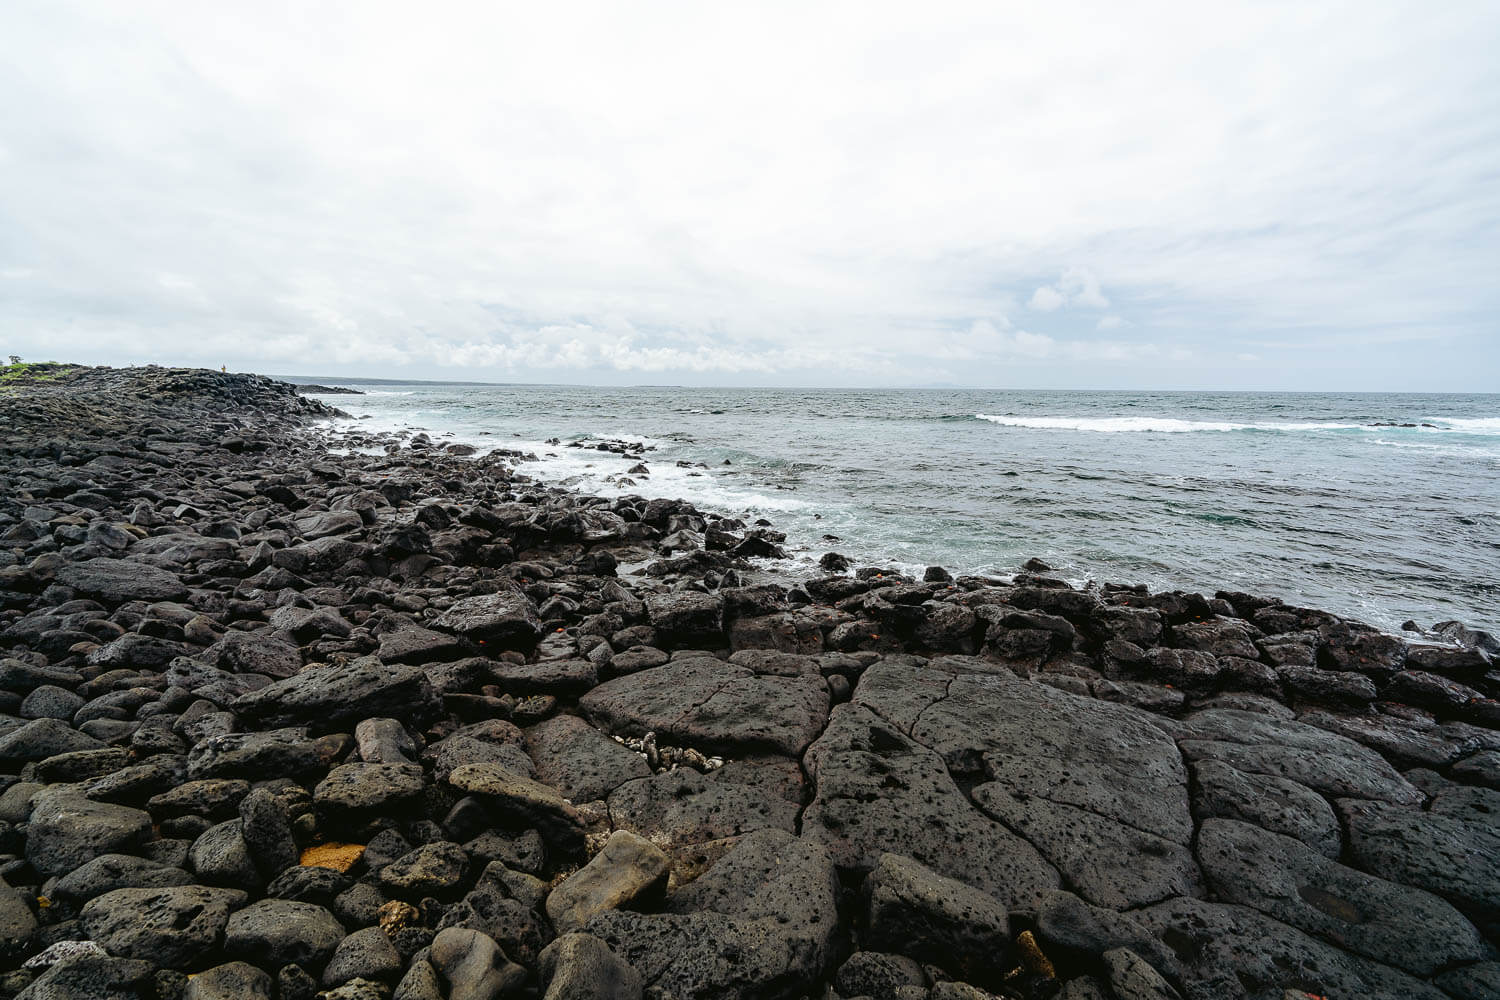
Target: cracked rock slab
(715, 706)
(878, 791)
(1290, 882)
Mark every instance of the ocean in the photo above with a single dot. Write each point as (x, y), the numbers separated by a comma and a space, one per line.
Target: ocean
(1381, 507)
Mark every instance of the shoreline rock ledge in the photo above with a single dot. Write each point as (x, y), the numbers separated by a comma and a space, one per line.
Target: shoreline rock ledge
(288, 714)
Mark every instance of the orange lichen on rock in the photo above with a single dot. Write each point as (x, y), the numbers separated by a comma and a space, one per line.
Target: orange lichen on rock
(339, 857)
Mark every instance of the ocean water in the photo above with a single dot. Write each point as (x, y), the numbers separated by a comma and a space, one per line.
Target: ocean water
(1313, 498)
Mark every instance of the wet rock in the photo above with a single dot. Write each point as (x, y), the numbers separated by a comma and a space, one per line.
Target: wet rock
(173, 926)
(581, 967)
(914, 911)
(629, 870)
(1290, 882)
(1327, 687)
(275, 932)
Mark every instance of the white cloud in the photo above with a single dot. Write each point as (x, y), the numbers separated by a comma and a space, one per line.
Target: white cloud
(784, 192)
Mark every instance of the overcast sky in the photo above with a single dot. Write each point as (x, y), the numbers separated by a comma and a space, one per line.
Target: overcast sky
(1263, 195)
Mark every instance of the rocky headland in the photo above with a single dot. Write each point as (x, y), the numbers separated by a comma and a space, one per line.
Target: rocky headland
(390, 719)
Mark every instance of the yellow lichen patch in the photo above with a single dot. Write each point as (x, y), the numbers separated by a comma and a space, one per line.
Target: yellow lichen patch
(1032, 957)
(339, 857)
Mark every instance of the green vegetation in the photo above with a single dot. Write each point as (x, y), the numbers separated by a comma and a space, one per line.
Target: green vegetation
(19, 371)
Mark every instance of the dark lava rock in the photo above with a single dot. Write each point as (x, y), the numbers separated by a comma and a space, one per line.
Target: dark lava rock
(117, 580)
(67, 830)
(173, 926)
(274, 932)
(327, 697)
(914, 911)
(504, 620)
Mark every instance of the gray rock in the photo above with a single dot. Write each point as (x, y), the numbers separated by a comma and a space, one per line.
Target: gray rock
(384, 741)
(1043, 743)
(365, 954)
(629, 870)
(681, 808)
(473, 965)
(914, 911)
(1405, 742)
(541, 806)
(266, 828)
(729, 708)
(1106, 861)
(1068, 926)
(582, 967)
(421, 982)
(280, 752)
(414, 644)
(17, 925)
(686, 616)
(114, 581)
(761, 924)
(214, 798)
(359, 791)
(331, 696)
(1480, 981)
(1328, 687)
(1286, 880)
(274, 932)
(220, 856)
(505, 620)
(1323, 761)
(435, 869)
(81, 765)
(50, 702)
(67, 830)
(255, 653)
(43, 738)
(115, 871)
(230, 981)
(563, 678)
(1132, 977)
(878, 975)
(1455, 856)
(310, 884)
(92, 978)
(1234, 951)
(1482, 768)
(460, 749)
(877, 791)
(172, 927)
(579, 761)
(1274, 804)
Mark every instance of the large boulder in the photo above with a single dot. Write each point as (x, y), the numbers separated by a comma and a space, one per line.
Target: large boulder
(115, 581)
(714, 706)
(914, 911)
(628, 871)
(328, 697)
(67, 830)
(173, 926)
(579, 761)
(504, 620)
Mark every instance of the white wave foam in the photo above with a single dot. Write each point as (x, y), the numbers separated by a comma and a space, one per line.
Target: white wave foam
(1159, 425)
(1470, 425)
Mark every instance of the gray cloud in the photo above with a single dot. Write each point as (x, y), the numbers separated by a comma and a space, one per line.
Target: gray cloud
(1154, 194)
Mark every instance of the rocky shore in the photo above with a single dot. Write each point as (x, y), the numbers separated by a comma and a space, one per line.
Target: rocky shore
(392, 720)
